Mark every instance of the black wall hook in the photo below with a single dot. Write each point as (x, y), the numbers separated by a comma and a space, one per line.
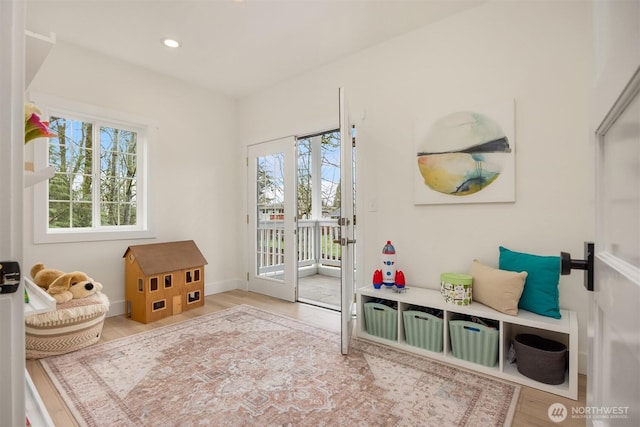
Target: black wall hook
(567, 264)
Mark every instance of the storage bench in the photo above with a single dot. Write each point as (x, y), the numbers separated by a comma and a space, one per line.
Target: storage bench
(487, 349)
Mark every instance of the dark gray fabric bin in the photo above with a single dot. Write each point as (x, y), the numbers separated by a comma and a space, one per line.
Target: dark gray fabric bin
(540, 359)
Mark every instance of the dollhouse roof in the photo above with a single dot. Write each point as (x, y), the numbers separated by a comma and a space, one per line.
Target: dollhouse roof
(156, 258)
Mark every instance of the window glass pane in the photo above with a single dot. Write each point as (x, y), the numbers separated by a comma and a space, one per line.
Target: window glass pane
(270, 216)
(71, 150)
(59, 188)
(81, 215)
(305, 168)
(330, 171)
(59, 216)
(118, 161)
(117, 213)
(70, 190)
(621, 189)
(80, 186)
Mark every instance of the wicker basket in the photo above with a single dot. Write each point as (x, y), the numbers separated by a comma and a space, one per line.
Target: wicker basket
(73, 325)
(540, 359)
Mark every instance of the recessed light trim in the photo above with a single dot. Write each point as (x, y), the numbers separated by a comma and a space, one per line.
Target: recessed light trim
(172, 43)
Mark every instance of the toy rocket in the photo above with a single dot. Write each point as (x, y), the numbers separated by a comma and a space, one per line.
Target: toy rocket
(388, 264)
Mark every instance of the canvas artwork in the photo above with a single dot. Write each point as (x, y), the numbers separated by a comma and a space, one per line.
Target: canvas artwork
(466, 156)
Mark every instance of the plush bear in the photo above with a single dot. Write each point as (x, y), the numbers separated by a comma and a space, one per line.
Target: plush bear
(63, 286)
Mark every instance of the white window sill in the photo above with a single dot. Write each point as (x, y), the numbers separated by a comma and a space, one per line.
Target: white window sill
(67, 236)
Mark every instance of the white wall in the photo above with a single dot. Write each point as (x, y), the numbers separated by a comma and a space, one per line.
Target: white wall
(194, 167)
(537, 53)
(617, 37)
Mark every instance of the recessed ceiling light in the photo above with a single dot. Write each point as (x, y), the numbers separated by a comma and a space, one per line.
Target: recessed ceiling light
(171, 42)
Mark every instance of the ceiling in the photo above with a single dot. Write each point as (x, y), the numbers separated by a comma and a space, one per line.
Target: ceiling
(235, 47)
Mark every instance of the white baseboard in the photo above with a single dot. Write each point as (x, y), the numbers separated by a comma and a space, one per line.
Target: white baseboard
(224, 286)
(117, 308)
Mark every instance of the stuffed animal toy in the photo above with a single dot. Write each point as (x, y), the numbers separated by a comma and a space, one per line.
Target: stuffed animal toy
(64, 286)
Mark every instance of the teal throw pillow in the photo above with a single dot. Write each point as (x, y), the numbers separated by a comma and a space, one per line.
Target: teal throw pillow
(540, 294)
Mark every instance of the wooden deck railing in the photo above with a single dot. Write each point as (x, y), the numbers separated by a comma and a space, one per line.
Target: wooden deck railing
(315, 244)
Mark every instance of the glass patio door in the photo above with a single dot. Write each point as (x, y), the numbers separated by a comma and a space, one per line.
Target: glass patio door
(272, 218)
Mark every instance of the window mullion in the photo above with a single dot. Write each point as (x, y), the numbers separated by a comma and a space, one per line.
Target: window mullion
(96, 173)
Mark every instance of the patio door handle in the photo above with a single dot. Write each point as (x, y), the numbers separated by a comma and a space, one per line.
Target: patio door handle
(340, 240)
(344, 242)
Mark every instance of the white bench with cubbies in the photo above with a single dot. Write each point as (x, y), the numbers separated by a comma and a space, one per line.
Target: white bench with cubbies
(394, 309)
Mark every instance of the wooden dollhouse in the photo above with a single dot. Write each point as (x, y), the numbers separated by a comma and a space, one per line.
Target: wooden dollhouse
(163, 279)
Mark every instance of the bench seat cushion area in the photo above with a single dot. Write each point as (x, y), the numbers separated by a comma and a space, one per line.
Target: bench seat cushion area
(71, 326)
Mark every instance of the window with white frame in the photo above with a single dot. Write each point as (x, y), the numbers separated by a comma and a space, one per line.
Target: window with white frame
(98, 191)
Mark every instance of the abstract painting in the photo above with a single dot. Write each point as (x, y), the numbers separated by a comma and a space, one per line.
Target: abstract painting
(466, 156)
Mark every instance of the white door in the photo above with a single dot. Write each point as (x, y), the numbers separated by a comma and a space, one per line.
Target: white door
(614, 325)
(347, 224)
(272, 218)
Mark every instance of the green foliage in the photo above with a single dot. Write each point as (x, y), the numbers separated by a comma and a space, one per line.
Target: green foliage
(71, 190)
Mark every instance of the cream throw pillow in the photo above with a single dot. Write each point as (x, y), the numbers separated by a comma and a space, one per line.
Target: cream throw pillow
(498, 289)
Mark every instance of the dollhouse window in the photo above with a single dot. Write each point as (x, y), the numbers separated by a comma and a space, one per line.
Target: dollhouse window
(168, 281)
(153, 284)
(196, 275)
(189, 278)
(159, 305)
(193, 297)
(140, 284)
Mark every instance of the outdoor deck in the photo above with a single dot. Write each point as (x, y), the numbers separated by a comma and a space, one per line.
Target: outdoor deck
(318, 258)
(321, 290)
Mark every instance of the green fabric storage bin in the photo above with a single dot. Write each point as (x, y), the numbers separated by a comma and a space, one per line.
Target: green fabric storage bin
(381, 320)
(423, 330)
(474, 342)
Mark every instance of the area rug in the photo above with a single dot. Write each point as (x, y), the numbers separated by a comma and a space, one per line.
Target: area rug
(247, 367)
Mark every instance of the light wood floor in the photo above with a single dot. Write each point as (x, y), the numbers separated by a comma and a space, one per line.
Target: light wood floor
(532, 404)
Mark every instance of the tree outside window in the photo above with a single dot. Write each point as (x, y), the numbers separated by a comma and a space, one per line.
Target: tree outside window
(96, 175)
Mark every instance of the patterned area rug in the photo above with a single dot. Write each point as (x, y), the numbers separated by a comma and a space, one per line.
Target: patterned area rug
(247, 367)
